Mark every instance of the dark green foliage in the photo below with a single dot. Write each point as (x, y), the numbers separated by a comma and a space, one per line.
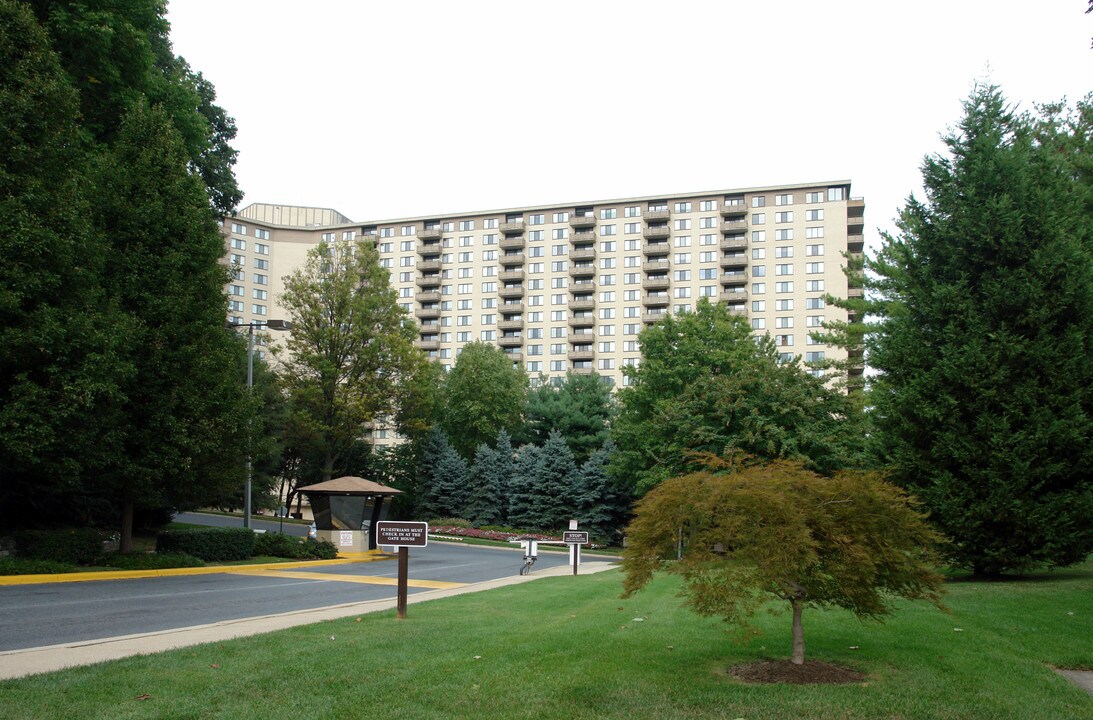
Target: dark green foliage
(706, 385)
(985, 344)
(209, 544)
(77, 546)
(177, 434)
(286, 546)
(482, 395)
(484, 504)
(579, 408)
(55, 339)
(148, 561)
(444, 477)
(23, 566)
(552, 495)
(119, 54)
(601, 506)
(522, 510)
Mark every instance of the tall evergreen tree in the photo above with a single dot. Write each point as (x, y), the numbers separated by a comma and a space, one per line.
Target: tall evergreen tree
(484, 485)
(445, 491)
(985, 345)
(505, 458)
(597, 502)
(180, 433)
(580, 408)
(523, 510)
(55, 339)
(553, 492)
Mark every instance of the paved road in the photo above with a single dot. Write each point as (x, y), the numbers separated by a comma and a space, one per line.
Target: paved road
(289, 528)
(38, 615)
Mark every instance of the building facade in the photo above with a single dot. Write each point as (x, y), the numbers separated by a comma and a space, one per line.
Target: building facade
(567, 288)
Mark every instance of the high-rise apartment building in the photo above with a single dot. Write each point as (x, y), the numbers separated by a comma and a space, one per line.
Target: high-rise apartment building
(569, 287)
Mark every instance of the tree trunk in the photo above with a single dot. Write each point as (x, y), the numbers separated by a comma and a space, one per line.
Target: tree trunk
(126, 543)
(328, 466)
(798, 635)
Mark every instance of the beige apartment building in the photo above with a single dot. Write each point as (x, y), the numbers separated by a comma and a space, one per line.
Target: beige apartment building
(568, 287)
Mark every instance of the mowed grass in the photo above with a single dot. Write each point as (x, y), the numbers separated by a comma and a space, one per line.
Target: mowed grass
(569, 648)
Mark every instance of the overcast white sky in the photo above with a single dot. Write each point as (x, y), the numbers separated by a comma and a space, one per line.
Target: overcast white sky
(399, 108)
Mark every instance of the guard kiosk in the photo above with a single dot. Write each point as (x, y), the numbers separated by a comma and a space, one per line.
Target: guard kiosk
(347, 509)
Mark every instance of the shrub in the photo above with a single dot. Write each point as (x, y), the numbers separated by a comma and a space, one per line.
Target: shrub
(209, 544)
(26, 566)
(75, 546)
(451, 522)
(149, 561)
(286, 546)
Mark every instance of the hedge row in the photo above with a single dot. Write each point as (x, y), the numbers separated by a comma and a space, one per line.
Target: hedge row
(209, 544)
(286, 546)
(77, 546)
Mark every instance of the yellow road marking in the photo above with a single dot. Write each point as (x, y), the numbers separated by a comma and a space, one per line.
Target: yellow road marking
(362, 579)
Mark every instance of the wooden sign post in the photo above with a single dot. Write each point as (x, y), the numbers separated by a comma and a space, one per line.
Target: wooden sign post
(403, 535)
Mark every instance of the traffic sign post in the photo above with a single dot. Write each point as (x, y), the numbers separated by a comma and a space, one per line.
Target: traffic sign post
(403, 535)
(574, 539)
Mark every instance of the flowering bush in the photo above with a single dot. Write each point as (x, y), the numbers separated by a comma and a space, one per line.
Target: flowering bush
(485, 534)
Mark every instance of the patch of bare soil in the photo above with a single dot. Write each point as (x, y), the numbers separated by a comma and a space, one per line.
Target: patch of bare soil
(783, 671)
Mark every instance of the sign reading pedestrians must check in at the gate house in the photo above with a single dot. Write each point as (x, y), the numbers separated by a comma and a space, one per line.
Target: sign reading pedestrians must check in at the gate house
(403, 535)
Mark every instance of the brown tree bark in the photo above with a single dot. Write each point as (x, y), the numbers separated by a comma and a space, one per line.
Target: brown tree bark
(126, 543)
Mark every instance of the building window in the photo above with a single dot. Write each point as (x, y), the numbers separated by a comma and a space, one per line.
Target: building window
(783, 269)
(814, 215)
(814, 197)
(783, 287)
(240, 229)
(786, 216)
(759, 201)
(783, 199)
(814, 268)
(260, 279)
(758, 270)
(836, 193)
(758, 323)
(786, 234)
(609, 214)
(814, 286)
(814, 303)
(758, 218)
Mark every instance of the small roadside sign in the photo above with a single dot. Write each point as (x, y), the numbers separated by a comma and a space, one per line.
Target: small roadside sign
(402, 534)
(575, 537)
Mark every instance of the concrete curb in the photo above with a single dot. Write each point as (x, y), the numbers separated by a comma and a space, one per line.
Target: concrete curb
(32, 661)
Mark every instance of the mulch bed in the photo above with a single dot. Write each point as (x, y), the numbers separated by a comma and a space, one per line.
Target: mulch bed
(783, 671)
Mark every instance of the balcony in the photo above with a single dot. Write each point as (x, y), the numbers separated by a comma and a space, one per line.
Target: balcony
(582, 221)
(582, 369)
(511, 325)
(737, 260)
(734, 226)
(656, 232)
(428, 266)
(428, 249)
(510, 259)
(511, 308)
(653, 249)
(652, 266)
(855, 243)
(659, 282)
(582, 304)
(428, 281)
(581, 337)
(582, 270)
(652, 317)
(586, 236)
(655, 215)
(729, 210)
(582, 354)
(656, 300)
(428, 343)
(582, 320)
(583, 254)
(427, 313)
(432, 296)
(512, 275)
(511, 291)
(432, 233)
(582, 287)
(739, 308)
(735, 243)
(734, 296)
(514, 355)
(855, 292)
(512, 228)
(734, 277)
(512, 243)
(510, 341)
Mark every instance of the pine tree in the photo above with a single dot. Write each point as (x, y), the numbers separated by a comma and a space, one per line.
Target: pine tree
(595, 500)
(444, 492)
(552, 493)
(523, 499)
(506, 472)
(483, 488)
(984, 401)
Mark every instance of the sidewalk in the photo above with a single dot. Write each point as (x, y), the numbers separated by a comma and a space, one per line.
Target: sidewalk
(31, 661)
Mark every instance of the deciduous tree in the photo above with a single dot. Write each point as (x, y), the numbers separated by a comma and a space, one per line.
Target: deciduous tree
(580, 408)
(482, 395)
(750, 533)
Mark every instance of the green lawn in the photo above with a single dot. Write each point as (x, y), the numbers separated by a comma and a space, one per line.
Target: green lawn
(569, 648)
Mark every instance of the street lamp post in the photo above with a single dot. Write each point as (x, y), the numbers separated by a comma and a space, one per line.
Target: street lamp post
(270, 325)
